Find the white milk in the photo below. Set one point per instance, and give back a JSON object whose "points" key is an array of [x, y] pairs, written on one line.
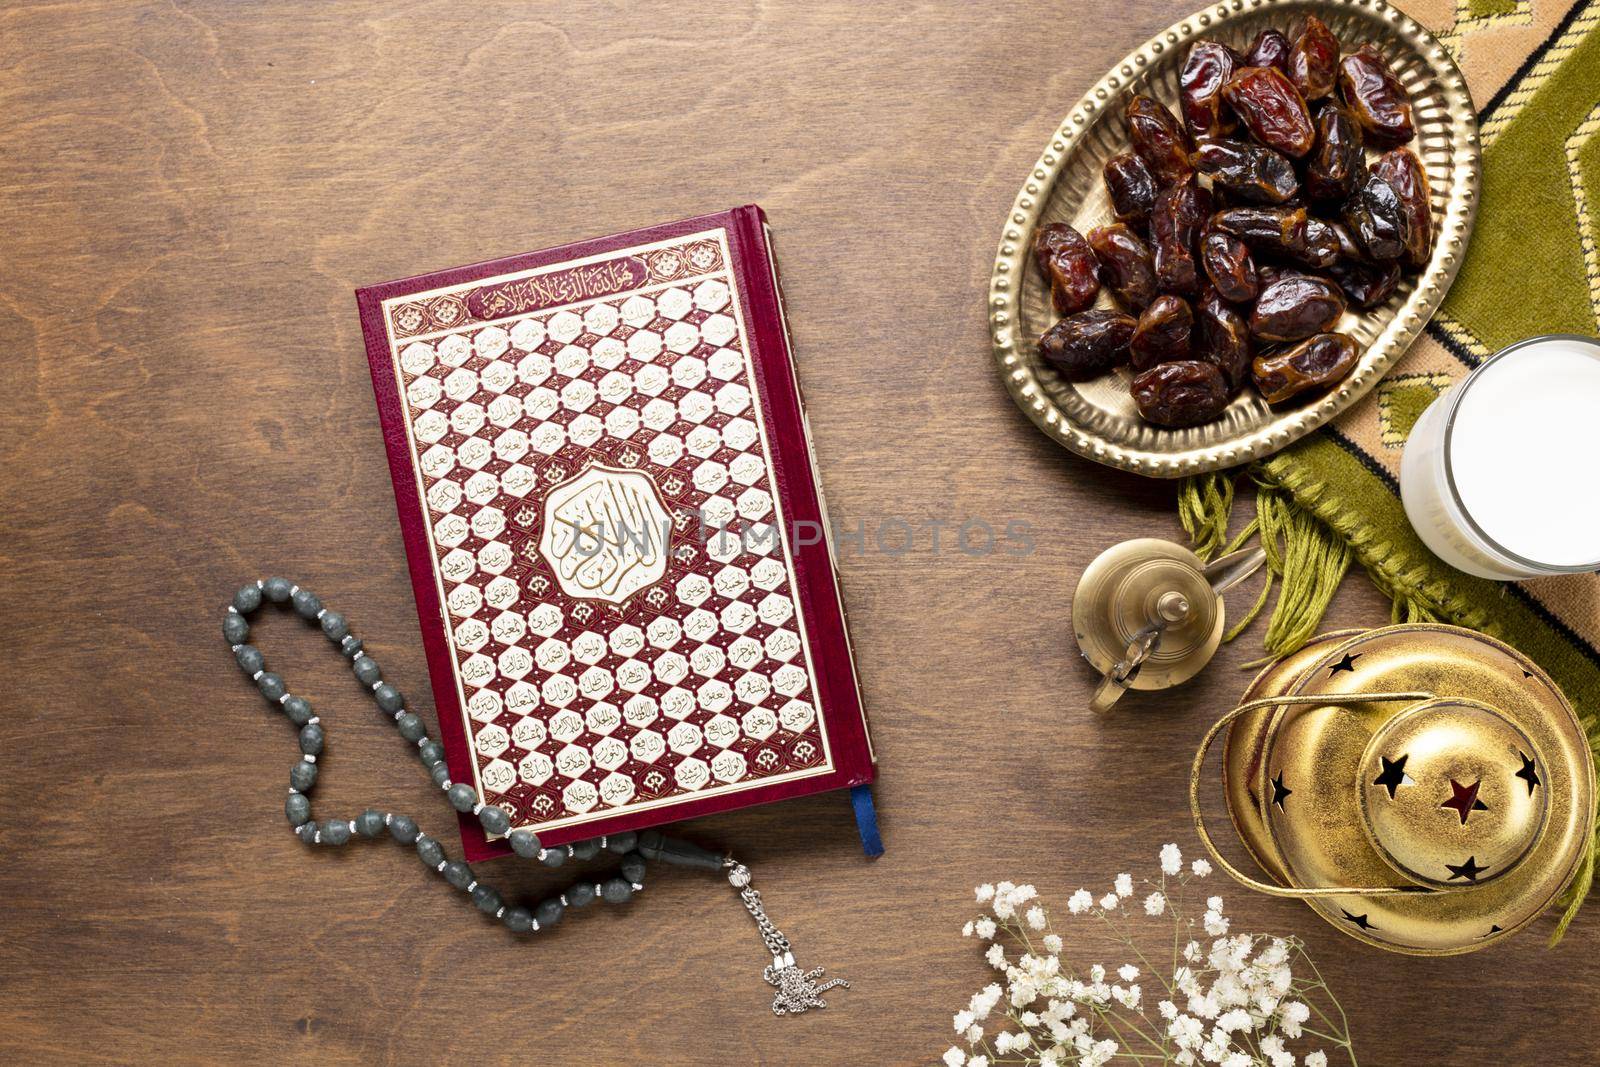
{"points": [[1498, 476]]}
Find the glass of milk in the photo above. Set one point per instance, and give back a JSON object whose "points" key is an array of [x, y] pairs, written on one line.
{"points": [[1499, 475]]}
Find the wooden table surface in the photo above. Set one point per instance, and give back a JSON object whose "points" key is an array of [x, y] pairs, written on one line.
{"points": [[190, 193]]}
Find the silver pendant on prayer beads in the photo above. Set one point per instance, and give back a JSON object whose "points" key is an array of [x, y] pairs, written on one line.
{"points": [[797, 990]]}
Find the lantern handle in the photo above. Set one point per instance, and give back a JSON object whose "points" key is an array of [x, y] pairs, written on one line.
{"points": [[1267, 887]]}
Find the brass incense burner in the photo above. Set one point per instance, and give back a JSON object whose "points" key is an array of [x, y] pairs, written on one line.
{"points": [[1425, 788], [1148, 613]]}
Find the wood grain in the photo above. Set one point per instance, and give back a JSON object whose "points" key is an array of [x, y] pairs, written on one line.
{"points": [[190, 193]]}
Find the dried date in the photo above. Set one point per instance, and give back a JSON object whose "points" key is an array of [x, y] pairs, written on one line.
{"points": [[1175, 225], [1378, 219], [1293, 308], [1314, 59], [1320, 248], [1227, 263], [1334, 168], [1247, 172], [1088, 344], [1269, 49], [1126, 267], [1207, 69], [1132, 187], [1159, 140], [1069, 265], [1366, 284], [1269, 105], [1269, 273], [1403, 171], [1186, 393], [1221, 336], [1315, 363], [1276, 230], [1347, 241], [1162, 335], [1376, 98]]}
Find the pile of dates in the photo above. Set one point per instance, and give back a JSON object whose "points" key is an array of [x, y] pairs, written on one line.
{"points": [[1244, 231]]}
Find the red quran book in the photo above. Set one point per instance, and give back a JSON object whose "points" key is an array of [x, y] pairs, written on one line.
{"points": [[615, 531]]}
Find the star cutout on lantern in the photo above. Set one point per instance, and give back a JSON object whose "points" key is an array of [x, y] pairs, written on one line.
{"points": [[1346, 664], [1358, 920], [1394, 774], [1468, 870], [1464, 800], [1280, 792], [1529, 773]]}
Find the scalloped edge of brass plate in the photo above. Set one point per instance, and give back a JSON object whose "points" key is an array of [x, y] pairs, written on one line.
{"points": [[1005, 285]]}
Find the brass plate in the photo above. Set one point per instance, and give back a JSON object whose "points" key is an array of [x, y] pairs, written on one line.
{"points": [[1097, 419]]}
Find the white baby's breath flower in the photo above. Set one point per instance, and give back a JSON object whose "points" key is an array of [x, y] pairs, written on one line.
{"points": [[1186, 1031], [1293, 1016], [1100, 1053], [984, 1000], [1273, 1049], [1230, 997], [1237, 1020]]}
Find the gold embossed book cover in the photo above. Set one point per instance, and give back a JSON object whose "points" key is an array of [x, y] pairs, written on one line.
{"points": [[615, 530]]}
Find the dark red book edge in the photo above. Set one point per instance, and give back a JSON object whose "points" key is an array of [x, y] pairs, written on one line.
{"points": [[788, 445]]}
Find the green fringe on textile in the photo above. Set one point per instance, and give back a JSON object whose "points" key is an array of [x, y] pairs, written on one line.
{"points": [[1307, 560]]}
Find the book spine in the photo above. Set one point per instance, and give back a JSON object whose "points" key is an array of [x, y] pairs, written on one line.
{"points": [[754, 221]]}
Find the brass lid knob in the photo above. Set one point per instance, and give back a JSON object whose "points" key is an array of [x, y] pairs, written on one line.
{"points": [[1450, 793]]}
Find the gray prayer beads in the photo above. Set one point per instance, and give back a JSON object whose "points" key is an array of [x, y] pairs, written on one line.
{"points": [[371, 823]]}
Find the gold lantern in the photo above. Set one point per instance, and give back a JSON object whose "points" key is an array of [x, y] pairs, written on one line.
{"points": [[1425, 788]]}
